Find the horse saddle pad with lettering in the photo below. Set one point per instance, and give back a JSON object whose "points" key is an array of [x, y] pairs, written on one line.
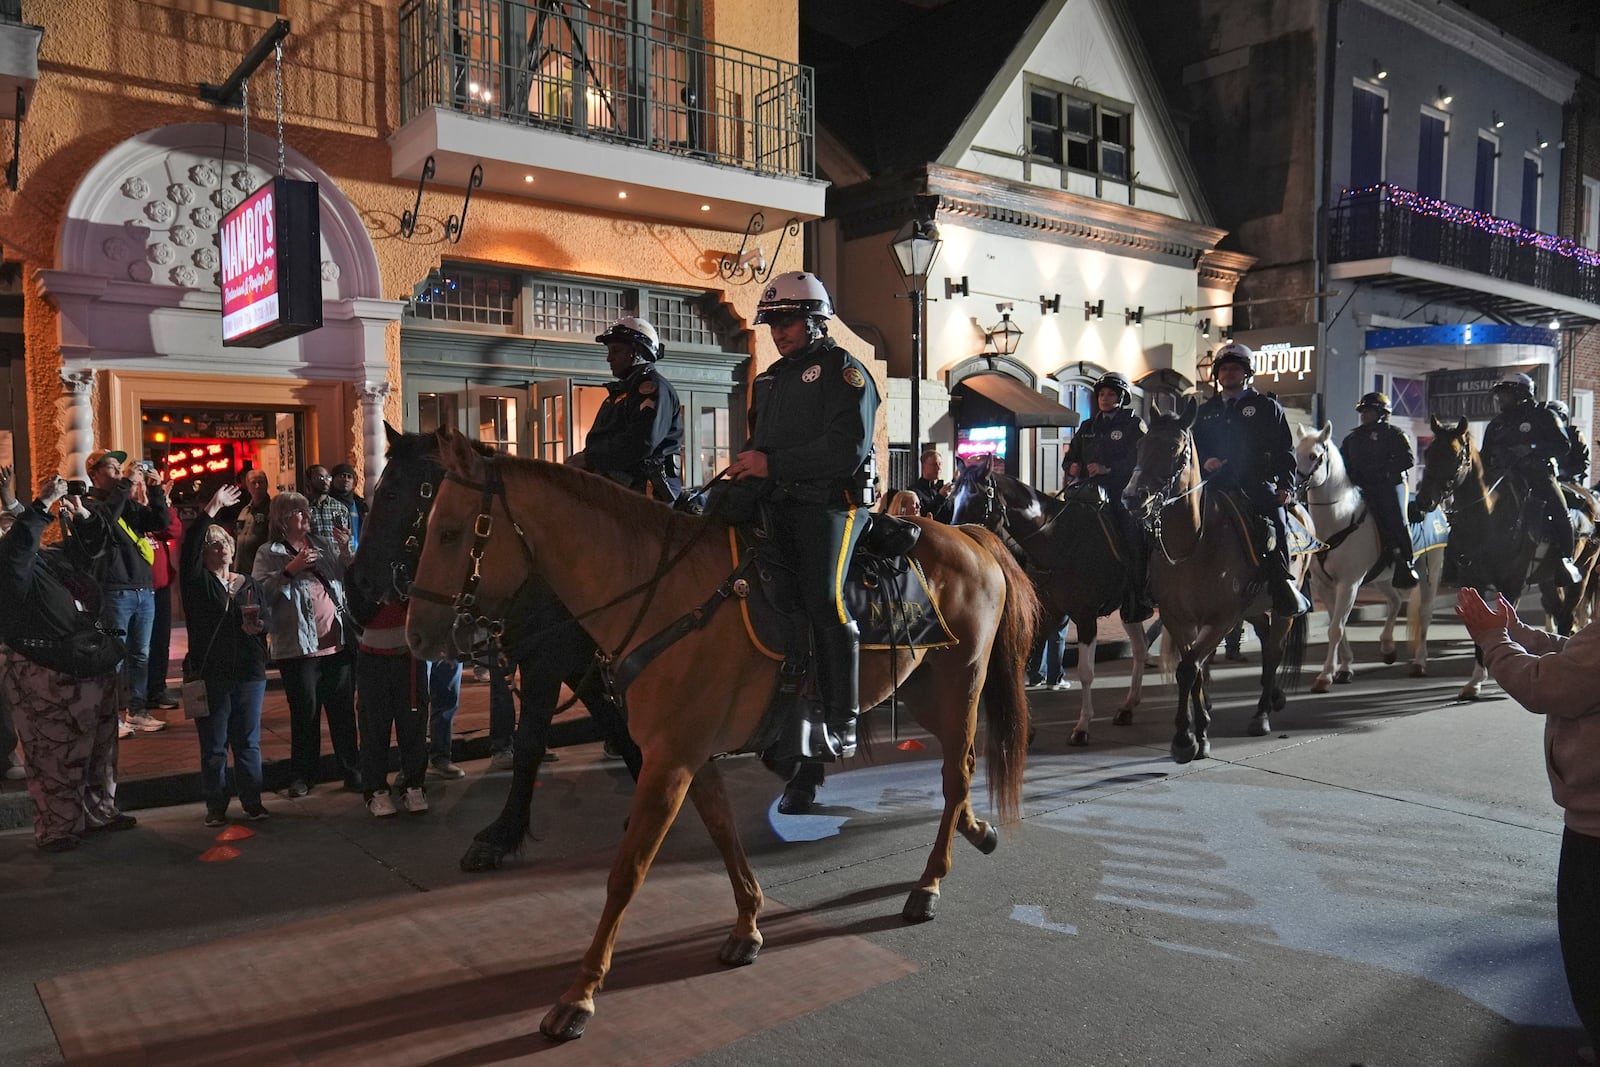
{"points": [[1258, 531], [1432, 532], [888, 597]]}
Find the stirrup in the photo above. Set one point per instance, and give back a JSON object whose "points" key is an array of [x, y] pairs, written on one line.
{"points": [[1287, 600], [1405, 576], [1566, 572], [820, 743]]}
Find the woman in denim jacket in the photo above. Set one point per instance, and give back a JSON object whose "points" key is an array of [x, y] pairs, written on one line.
{"points": [[302, 576]]}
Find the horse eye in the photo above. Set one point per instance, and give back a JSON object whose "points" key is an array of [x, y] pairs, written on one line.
{"points": [[450, 537]]}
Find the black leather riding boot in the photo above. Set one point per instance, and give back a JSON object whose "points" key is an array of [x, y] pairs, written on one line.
{"points": [[1287, 600], [839, 684], [1137, 603]]}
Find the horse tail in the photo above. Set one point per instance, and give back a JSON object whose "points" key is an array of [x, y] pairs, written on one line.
{"points": [[1004, 687], [1293, 657]]}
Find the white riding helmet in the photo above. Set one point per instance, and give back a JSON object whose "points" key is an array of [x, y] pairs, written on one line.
{"points": [[638, 332], [794, 293], [1234, 352]]}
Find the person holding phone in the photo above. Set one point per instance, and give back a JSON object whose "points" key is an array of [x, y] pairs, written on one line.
{"points": [[330, 519], [228, 652]]}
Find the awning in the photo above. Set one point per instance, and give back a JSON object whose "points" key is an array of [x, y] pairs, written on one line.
{"points": [[1021, 406]]}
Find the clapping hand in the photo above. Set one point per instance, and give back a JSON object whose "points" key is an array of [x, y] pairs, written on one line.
{"points": [[226, 496], [1479, 618], [304, 559]]}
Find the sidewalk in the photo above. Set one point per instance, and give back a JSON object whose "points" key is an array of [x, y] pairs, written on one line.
{"points": [[155, 770]]}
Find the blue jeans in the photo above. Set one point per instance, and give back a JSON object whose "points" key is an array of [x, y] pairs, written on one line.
{"points": [[133, 611], [1052, 648], [234, 722], [444, 696]]}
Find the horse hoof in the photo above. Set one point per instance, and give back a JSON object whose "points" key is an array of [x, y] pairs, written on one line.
{"points": [[920, 906], [1321, 685], [1278, 700], [797, 800], [739, 951], [1124, 717], [1388, 658], [565, 1022], [1204, 751], [1418, 671], [1346, 677], [1469, 692], [1079, 738], [1260, 725], [989, 841], [1184, 748], [481, 856]]}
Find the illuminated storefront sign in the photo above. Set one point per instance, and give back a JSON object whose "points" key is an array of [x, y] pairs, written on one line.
{"points": [[983, 441], [1284, 361], [271, 265]]}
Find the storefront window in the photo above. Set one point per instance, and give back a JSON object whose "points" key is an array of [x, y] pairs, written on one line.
{"points": [[497, 422], [436, 411]]}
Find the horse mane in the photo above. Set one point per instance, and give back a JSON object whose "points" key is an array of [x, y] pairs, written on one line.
{"points": [[647, 518]]}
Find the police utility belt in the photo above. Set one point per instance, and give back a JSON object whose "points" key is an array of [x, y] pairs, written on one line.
{"points": [[832, 494]]}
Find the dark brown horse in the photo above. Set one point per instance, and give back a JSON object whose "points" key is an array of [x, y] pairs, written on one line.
{"points": [[1491, 545], [1204, 576], [629, 569]]}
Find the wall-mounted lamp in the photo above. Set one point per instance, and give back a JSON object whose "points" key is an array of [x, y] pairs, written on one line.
{"points": [[1133, 316], [1379, 71], [955, 288], [1499, 123], [1005, 334], [755, 259], [1096, 310], [1050, 304], [750, 262], [1541, 139], [1204, 326], [1555, 324], [1227, 333], [1445, 98]]}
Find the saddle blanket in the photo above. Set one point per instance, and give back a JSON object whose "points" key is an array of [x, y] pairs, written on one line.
{"points": [[1432, 532], [888, 598]]}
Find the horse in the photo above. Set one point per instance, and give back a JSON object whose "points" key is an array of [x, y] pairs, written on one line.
{"points": [[1203, 574], [1076, 568], [639, 575], [543, 641], [1490, 544], [1354, 547]]}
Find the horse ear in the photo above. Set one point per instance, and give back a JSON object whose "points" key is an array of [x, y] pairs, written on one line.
{"points": [[393, 435], [1186, 416], [1326, 433], [455, 450], [1461, 427], [1435, 424]]}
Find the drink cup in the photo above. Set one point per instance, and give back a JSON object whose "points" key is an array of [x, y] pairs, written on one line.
{"points": [[252, 618]]}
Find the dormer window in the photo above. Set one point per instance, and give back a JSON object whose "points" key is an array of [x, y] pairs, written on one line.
{"points": [[1080, 130]]}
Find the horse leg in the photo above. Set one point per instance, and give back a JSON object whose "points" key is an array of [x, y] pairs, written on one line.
{"points": [[1419, 612], [960, 761], [1391, 597], [1088, 634], [710, 800], [1139, 649], [1474, 685], [1185, 746], [540, 688], [1271, 698], [655, 805], [1346, 659]]}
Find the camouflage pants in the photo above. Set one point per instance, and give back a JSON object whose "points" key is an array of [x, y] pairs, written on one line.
{"points": [[68, 728]]}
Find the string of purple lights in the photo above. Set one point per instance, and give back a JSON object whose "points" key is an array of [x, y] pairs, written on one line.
{"points": [[1481, 220]]}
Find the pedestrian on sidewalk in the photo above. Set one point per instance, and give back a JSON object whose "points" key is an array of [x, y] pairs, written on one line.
{"points": [[228, 652], [163, 575], [391, 696], [60, 677], [311, 639], [1555, 676], [444, 697]]}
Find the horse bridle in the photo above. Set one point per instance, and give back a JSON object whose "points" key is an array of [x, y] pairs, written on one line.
{"points": [[1165, 497]]}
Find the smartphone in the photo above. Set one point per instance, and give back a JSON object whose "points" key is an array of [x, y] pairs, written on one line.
{"points": [[77, 487]]}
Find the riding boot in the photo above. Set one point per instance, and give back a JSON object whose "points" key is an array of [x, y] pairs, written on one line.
{"points": [[1405, 575], [1137, 603], [839, 684], [1287, 600]]}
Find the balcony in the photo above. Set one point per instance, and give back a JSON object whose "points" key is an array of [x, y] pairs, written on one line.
{"points": [[1427, 249], [19, 59], [566, 102]]}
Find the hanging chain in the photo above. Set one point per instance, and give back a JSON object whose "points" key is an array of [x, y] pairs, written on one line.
{"points": [[278, 51], [245, 97]]}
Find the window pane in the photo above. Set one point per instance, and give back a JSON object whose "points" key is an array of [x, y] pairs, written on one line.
{"points": [[1530, 194], [1080, 118], [435, 410], [1114, 161], [1044, 143], [497, 422], [1483, 181], [1430, 157], [1044, 107], [1114, 127], [1078, 155], [1366, 139]]}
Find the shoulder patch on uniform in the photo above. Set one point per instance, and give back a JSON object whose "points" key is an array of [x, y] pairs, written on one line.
{"points": [[647, 387], [646, 405], [854, 378], [811, 373], [1248, 410]]}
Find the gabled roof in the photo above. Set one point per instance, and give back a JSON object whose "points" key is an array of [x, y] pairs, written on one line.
{"points": [[897, 100]]}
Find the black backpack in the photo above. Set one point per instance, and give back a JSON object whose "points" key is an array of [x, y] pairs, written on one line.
{"points": [[59, 627]]}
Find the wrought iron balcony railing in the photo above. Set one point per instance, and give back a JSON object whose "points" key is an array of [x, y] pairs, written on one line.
{"points": [[11, 11], [591, 74], [1386, 221]]}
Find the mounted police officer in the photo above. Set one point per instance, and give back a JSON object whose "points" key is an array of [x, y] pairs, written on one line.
{"points": [[1104, 450], [638, 432], [1527, 439], [1243, 442], [1574, 466], [811, 420], [1377, 455]]}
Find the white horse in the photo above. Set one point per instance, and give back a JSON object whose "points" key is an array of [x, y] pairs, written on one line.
{"points": [[1337, 505]]}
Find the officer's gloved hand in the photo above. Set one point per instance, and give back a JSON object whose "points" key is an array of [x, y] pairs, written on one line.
{"points": [[1414, 513]]}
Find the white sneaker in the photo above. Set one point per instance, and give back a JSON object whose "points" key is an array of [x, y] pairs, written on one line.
{"points": [[124, 730], [501, 761], [146, 723], [382, 805], [15, 772], [1063, 684], [413, 800]]}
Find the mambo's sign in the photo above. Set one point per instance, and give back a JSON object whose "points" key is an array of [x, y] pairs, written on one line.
{"points": [[271, 269]]}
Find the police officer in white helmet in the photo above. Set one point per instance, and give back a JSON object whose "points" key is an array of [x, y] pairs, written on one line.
{"points": [[638, 431]]}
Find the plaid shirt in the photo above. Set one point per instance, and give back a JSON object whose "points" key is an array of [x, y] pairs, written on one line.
{"points": [[328, 515]]}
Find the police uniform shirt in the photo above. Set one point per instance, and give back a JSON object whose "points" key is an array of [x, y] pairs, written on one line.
{"points": [[812, 413], [1251, 435], [640, 420], [1377, 454], [1528, 428], [1111, 439]]}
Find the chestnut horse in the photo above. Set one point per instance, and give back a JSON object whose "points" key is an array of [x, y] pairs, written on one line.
{"points": [[631, 569], [1489, 543], [1203, 574]]}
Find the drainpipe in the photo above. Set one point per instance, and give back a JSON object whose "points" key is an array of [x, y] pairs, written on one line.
{"points": [[1324, 187]]}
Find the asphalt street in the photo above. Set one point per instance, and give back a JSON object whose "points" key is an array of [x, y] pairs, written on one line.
{"points": [[1373, 883]]}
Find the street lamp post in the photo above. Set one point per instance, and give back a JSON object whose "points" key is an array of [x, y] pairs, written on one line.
{"points": [[915, 248]]}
